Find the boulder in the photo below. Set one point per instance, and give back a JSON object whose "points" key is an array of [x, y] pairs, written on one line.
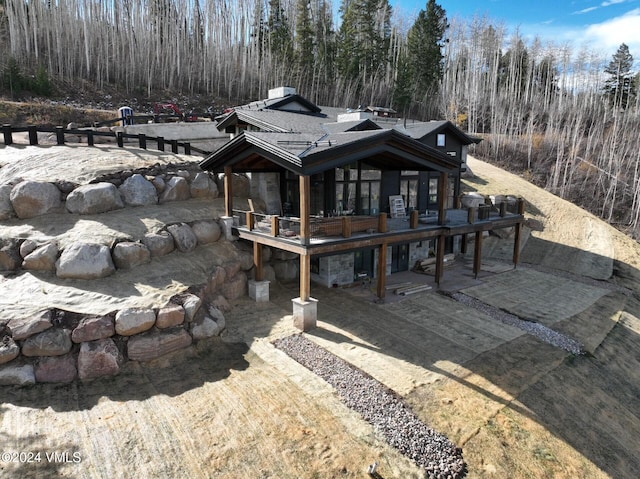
{"points": [[25, 327], [286, 270], [42, 258], [183, 236], [91, 329], [93, 199], [203, 186], [138, 191], [56, 369], [212, 324], [176, 189], [6, 209], [221, 303], [27, 247], [98, 358], [159, 184], [8, 349], [152, 345], [172, 315], [191, 305], [17, 375], [159, 244], [282, 255], [33, 198], [52, 342], [231, 269], [127, 255], [85, 261], [240, 186], [269, 274], [184, 174], [206, 231], [132, 321], [245, 259], [10, 259], [235, 287]]}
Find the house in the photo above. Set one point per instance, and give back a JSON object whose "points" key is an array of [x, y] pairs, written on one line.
{"points": [[353, 197]]}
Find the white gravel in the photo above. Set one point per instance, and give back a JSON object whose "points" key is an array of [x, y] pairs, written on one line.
{"points": [[382, 408], [538, 330]]}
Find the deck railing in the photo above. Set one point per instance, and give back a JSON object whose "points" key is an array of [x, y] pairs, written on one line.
{"points": [[346, 226], [91, 135]]}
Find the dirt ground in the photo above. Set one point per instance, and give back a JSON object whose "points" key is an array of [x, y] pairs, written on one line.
{"points": [[518, 407]]}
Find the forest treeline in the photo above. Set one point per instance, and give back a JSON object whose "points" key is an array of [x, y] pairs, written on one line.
{"points": [[566, 118]]}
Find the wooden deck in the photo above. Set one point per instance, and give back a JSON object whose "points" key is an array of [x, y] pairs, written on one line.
{"points": [[328, 233]]}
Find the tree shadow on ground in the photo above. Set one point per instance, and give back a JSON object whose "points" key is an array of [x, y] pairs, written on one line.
{"points": [[208, 361], [588, 402]]}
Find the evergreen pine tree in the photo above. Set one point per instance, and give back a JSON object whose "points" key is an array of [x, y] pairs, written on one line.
{"points": [[425, 40], [620, 87]]}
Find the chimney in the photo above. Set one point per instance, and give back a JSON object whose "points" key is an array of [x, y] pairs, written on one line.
{"points": [[281, 91]]}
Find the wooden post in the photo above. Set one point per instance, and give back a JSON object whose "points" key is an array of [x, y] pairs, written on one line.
{"points": [[382, 223], [8, 137], [471, 214], [90, 139], [33, 135], [228, 191], [187, 148], [142, 141], [413, 219], [477, 254], [257, 260], [440, 258], [458, 204], [174, 146], [120, 139], [250, 220], [442, 198], [516, 245], [160, 140], [305, 202], [275, 226], [60, 135], [305, 277], [463, 244], [346, 226], [382, 271], [503, 208]]}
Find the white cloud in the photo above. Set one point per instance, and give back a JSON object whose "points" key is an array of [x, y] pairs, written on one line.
{"points": [[586, 10], [608, 35]]}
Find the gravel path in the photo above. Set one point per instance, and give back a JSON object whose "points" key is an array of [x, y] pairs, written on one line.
{"points": [[538, 330], [381, 407]]}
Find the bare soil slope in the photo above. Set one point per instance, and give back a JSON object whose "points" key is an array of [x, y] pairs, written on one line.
{"points": [[518, 407]]}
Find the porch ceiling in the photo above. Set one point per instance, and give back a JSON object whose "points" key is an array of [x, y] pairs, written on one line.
{"points": [[308, 154]]}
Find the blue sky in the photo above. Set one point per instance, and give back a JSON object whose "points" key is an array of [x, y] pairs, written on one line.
{"points": [[600, 24]]}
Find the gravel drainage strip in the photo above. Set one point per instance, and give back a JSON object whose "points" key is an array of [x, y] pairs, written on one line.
{"points": [[381, 407], [538, 330]]}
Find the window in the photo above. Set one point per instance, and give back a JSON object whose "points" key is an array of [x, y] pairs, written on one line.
{"points": [[409, 189], [441, 139]]}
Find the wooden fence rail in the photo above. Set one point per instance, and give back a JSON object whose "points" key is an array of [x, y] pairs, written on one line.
{"points": [[119, 137]]}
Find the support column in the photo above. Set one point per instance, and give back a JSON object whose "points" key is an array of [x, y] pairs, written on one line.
{"points": [[477, 254], [440, 258], [305, 308], [442, 198], [228, 191], [518, 235], [257, 261], [305, 202], [381, 287]]}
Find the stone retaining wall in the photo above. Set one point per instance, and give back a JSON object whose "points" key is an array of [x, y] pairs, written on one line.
{"points": [[57, 346]]}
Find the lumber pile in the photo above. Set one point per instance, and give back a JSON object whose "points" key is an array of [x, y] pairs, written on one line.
{"points": [[428, 265]]}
